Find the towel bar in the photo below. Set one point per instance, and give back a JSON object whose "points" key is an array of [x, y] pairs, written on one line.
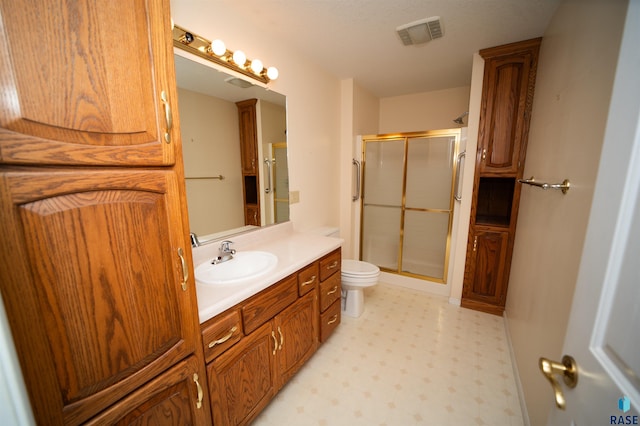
{"points": [[564, 186]]}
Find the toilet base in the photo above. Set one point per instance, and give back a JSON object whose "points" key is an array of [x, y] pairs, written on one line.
{"points": [[353, 302]]}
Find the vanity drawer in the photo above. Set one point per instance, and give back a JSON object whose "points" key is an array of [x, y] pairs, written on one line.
{"points": [[268, 303], [329, 320], [221, 333], [329, 265], [308, 278], [330, 291]]}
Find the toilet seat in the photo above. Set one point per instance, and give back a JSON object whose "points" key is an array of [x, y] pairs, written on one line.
{"points": [[358, 268]]}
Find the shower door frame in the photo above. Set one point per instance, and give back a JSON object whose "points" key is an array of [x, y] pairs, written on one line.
{"points": [[390, 137]]}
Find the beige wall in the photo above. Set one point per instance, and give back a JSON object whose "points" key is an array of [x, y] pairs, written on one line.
{"points": [[423, 111], [313, 107], [360, 111], [573, 88], [211, 147]]}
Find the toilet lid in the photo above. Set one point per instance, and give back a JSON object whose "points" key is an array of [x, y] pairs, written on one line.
{"points": [[358, 268]]}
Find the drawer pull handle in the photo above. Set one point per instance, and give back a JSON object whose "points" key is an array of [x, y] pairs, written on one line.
{"points": [[281, 338], [275, 342], [224, 338], [333, 290], [200, 393], [309, 281], [185, 270], [333, 265], [332, 320]]}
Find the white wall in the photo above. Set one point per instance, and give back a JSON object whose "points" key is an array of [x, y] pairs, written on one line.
{"points": [[313, 107], [573, 88]]}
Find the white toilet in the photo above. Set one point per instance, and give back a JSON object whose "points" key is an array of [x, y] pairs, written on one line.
{"points": [[356, 275]]}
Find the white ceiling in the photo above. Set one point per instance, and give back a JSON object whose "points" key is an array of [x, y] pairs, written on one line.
{"points": [[357, 38]]}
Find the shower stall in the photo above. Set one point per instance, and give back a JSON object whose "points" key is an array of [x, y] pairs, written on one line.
{"points": [[408, 192]]}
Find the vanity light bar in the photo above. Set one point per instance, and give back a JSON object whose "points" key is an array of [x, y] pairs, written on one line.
{"points": [[200, 46]]}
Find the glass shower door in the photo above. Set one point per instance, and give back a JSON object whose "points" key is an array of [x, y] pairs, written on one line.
{"points": [[407, 202], [382, 201], [428, 205]]}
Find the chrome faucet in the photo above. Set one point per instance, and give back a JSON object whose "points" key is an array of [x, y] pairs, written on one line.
{"points": [[225, 252]]}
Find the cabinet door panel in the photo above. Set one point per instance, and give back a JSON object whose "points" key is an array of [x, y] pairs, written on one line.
{"points": [[486, 280], [173, 398], [95, 253], [242, 380], [507, 98], [297, 332], [91, 92]]}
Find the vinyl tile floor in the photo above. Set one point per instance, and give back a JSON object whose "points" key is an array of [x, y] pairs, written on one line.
{"points": [[410, 359]]}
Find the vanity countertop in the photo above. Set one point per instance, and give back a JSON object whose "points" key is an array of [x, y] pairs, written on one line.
{"points": [[293, 249]]}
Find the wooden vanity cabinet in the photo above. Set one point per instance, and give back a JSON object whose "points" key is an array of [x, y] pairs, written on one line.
{"points": [[507, 98], [281, 332], [330, 294], [95, 254]]}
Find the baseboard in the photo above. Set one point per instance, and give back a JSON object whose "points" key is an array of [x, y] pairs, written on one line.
{"points": [[424, 286], [454, 301], [516, 374]]}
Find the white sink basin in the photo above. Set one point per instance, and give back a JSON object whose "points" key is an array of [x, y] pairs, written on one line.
{"points": [[244, 266]]}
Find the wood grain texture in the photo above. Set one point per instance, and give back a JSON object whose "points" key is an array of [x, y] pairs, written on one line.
{"points": [[73, 94], [268, 303], [505, 112]]}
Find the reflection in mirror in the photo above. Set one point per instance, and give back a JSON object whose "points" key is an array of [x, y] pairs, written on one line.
{"points": [[223, 197]]}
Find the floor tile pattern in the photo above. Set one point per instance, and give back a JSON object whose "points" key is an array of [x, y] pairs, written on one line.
{"points": [[410, 359]]}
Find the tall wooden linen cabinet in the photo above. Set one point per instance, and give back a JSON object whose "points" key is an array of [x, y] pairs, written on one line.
{"points": [[507, 97], [95, 256], [248, 123]]}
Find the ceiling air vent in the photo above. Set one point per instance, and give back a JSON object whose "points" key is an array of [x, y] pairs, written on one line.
{"points": [[420, 31]]}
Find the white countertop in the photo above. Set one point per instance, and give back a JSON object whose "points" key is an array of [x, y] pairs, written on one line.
{"points": [[293, 249]]}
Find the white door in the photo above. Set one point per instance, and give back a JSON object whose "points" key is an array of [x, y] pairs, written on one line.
{"points": [[604, 328]]}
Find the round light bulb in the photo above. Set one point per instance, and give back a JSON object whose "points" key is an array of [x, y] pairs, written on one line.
{"points": [[272, 73], [218, 48], [239, 58], [256, 66]]}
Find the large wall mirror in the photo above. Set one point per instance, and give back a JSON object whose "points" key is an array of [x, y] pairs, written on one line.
{"points": [[209, 125]]}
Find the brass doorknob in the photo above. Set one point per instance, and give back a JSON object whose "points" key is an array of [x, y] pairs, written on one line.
{"points": [[569, 371]]}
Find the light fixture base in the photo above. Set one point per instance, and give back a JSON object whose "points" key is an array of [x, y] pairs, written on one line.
{"points": [[200, 46]]}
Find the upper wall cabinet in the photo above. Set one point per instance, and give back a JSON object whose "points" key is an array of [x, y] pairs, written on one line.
{"points": [[507, 96], [98, 91]]}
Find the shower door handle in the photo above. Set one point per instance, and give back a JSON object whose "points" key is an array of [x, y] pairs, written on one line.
{"points": [[268, 164], [356, 197], [457, 194]]}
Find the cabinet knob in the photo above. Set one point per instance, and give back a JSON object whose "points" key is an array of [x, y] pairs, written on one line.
{"points": [[475, 243], [484, 154]]}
